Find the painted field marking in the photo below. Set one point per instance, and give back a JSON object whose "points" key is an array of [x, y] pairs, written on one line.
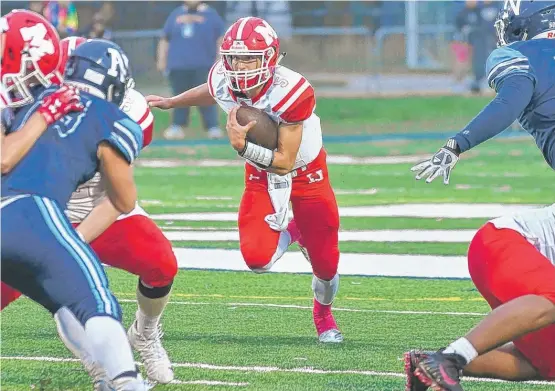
{"points": [[310, 298], [399, 235], [425, 266], [331, 159], [309, 308], [211, 383], [458, 210], [268, 369]]}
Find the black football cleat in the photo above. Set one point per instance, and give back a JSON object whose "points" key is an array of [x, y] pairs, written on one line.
{"points": [[412, 359], [440, 371]]}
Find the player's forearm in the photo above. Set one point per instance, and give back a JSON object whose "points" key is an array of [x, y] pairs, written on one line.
{"points": [[16, 145], [511, 100], [117, 174], [101, 217], [123, 196], [289, 142], [282, 163], [197, 96]]}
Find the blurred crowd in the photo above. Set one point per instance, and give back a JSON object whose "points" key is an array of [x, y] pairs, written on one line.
{"points": [[197, 27], [64, 16], [472, 43]]}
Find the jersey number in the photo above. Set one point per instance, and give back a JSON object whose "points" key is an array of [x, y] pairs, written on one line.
{"points": [[70, 123], [119, 66], [318, 178], [38, 44]]}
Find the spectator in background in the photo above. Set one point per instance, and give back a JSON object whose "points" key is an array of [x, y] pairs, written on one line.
{"points": [[63, 16], [470, 24], [192, 36], [107, 11], [98, 28], [489, 11], [461, 53], [36, 6], [220, 7]]}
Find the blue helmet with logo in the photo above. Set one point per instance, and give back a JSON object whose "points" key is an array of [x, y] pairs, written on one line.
{"points": [[101, 68], [522, 20]]}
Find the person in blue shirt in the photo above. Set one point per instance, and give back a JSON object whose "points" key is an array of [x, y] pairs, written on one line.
{"points": [[189, 47], [515, 341], [42, 255]]}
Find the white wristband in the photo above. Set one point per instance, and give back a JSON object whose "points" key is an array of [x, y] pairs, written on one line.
{"points": [[257, 154]]}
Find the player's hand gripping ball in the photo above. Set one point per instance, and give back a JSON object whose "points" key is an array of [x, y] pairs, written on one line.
{"points": [[265, 130]]}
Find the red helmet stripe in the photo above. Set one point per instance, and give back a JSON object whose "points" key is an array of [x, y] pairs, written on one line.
{"points": [[241, 27]]}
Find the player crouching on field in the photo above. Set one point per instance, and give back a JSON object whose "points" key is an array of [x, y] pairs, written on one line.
{"points": [[131, 242], [512, 263], [249, 74]]}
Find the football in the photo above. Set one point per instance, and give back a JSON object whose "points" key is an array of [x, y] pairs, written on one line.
{"points": [[265, 132]]}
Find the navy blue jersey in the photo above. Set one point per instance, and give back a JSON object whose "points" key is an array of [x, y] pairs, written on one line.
{"points": [[534, 59], [66, 154]]}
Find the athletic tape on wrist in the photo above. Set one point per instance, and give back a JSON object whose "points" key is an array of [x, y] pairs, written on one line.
{"points": [[257, 154]]}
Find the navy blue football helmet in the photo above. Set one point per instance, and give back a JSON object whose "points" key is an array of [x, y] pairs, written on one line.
{"points": [[521, 20], [100, 67]]}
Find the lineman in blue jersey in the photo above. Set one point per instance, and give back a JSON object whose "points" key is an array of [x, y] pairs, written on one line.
{"points": [[42, 255], [520, 70]]}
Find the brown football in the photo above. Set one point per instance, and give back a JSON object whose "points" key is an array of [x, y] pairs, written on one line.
{"points": [[265, 132]]}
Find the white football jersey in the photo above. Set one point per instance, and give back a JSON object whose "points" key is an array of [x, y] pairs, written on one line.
{"points": [[288, 98], [91, 193], [536, 225]]}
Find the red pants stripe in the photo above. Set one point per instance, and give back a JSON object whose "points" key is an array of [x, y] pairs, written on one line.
{"points": [[315, 211], [134, 244], [504, 266]]}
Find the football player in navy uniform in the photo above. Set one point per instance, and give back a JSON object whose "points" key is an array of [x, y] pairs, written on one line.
{"points": [[515, 341], [42, 255], [520, 70]]}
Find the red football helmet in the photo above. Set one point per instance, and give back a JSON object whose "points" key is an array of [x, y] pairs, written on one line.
{"points": [[67, 46], [30, 53], [252, 37]]}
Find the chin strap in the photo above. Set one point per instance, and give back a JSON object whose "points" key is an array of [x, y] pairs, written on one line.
{"points": [[280, 57]]}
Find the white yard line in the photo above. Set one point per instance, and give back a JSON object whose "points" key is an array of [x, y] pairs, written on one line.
{"points": [[267, 369], [301, 307], [425, 266], [460, 211], [210, 383], [332, 159], [397, 236]]}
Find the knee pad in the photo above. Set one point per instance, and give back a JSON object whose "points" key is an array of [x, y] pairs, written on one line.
{"points": [[325, 291]]}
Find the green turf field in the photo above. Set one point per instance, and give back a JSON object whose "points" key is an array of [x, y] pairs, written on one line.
{"points": [[229, 330], [360, 116]]}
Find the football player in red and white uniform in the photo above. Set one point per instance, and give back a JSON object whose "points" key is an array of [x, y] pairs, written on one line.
{"points": [[21, 70], [511, 260], [249, 74], [131, 242]]}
